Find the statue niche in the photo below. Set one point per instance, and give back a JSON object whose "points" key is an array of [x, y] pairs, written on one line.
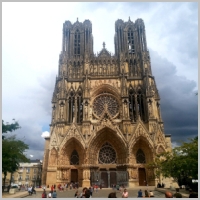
{"points": [[53, 157]]}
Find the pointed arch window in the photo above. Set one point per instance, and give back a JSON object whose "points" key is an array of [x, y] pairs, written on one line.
{"points": [[77, 43], [133, 105], [74, 160], [79, 107], [141, 105], [131, 45], [140, 156], [107, 154], [71, 107]]}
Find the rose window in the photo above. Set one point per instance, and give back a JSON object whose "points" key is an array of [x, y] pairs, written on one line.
{"points": [[105, 102], [107, 154]]}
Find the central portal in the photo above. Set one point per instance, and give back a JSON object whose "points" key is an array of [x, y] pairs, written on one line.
{"points": [[107, 178]]}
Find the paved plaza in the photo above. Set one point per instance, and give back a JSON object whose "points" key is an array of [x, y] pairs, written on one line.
{"points": [[103, 193]]}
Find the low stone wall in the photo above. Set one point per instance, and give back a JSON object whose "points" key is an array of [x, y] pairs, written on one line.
{"points": [[13, 190]]}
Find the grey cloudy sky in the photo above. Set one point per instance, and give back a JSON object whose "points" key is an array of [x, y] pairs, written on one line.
{"points": [[31, 44]]}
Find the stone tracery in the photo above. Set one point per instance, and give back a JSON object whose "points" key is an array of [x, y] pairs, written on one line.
{"points": [[107, 154], [105, 102]]}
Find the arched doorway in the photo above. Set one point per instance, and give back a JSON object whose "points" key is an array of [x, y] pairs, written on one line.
{"points": [[143, 155], [74, 175], [106, 151], [142, 177], [72, 155]]}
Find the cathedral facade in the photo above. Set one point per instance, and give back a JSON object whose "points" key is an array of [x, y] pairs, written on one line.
{"points": [[106, 121]]}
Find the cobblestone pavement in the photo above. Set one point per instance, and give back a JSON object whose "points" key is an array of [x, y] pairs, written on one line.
{"points": [[100, 194]]}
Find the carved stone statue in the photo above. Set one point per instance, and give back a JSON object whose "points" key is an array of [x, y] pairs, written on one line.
{"points": [[61, 112], [86, 111], [150, 109], [125, 110]]}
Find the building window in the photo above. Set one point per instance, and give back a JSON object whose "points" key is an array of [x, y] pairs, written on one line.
{"points": [[107, 154], [20, 177], [79, 107], [71, 107], [74, 158], [27, 170], [140, 157], [131, 45], [105, 102], [21, 169], [77, 43], [34, 171], [27, 177]]}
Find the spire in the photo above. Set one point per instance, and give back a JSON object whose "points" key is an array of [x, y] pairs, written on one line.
{"points": [[104, 45], [129, 19]]}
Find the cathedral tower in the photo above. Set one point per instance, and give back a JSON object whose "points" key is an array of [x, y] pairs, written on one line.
{"points": [[106, 120]]}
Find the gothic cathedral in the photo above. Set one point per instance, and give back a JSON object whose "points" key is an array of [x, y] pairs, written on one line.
{"points": [[106, 119]]}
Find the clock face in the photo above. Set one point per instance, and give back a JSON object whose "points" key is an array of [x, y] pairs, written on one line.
{"points": [[105, 103]]}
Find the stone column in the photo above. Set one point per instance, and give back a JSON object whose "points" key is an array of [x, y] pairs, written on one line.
{"points": [[75, 110], [136, 106], [108, 172], [133, 177], [67, 109], [86, 177]]}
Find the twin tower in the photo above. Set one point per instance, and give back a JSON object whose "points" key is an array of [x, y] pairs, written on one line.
{"points": [[106, 121]]}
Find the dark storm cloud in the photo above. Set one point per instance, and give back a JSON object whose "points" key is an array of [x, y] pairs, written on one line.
{"points": [[30, 134], [47, 84], [179, 105], [36, 115]]}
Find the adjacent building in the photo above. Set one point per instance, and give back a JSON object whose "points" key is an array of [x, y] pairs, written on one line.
{"points": [[27, 174]]}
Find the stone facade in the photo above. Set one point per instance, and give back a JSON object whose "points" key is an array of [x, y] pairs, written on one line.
{"points": [[106, 119], [27, 174]]}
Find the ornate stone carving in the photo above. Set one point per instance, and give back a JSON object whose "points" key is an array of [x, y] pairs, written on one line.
{"points": [[107, 103]]}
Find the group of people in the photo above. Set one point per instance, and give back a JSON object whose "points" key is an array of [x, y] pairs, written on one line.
{"points": [[65, 186], [118, 187], [146, 193], [31, 190], [192, 194], [160, 185], [86, 193], [124, 194], [51, 194]]}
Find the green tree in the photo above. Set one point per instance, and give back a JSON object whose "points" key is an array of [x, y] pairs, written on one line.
{"points": [[9, 127], [12, 150], [182, 162]]}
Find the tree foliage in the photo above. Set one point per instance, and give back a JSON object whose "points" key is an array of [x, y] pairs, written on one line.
{"points": [[13, 153], [9, 127], [182, 162], [12, 150]]}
